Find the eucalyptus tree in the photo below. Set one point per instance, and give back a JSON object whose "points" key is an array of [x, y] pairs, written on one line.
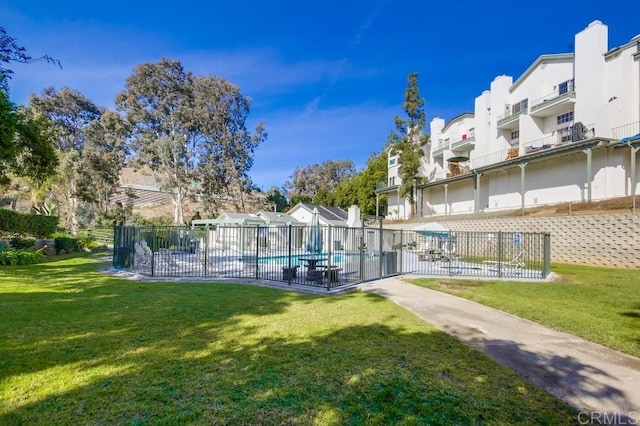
{"points": [[408, 142], [158, 103], [103, 157], [318, 180], [191, 130], [225, 147], [70, 114]]}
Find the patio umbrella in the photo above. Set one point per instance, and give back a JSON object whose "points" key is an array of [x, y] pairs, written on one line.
{"points": [[314, 237], [431, 229]]}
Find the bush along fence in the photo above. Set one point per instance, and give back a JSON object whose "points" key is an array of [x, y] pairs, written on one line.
{"points": [[327, 257], [13, 222]]}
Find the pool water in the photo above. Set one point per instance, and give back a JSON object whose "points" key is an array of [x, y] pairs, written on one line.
{"points": [[295, 259]]}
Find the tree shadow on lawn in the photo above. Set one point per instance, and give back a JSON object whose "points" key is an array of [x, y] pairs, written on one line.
{"points": [[634, 313], [359, 374], [566, 377]]}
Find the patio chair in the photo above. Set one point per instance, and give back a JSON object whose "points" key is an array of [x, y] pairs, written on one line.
{"points": [[517, 262], [165, 254]]}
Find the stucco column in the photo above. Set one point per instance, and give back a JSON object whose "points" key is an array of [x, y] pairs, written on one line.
{"points": [[589, 153], [446, 199], [476, 192], [634, 181], [522, 185]]}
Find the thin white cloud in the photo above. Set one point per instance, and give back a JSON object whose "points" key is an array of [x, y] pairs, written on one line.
{"points": [[364, 27]]}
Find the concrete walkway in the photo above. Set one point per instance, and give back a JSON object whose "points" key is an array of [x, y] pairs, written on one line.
{"points": [[585, 375]]}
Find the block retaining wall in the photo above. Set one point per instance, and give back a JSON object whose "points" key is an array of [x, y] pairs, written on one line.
{"points": [[601, 240]]}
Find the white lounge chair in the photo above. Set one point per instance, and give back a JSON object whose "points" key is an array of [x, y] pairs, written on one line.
{"points": [[517, 262], [165, 254]]}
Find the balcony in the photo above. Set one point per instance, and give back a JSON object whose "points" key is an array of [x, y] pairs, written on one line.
{"points": [[556, 102], [466, 143], [629, 131], [510, 120], [438, 149], [576, 133]]}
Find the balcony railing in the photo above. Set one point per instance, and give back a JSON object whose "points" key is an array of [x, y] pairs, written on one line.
{"points": [[576, 133], [553, 98], [628, 130], [439, 148], [510, 116], [463, 142]]}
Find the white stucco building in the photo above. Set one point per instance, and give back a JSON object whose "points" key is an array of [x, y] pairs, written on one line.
{"points": [[567, 129]]}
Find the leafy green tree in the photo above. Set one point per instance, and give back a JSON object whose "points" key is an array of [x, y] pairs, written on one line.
{"points": [[25, 146], [318, 180], [158, 101], [224, 147], [408, 141], [191, 131], [276, 198], [361, 189], [71, 115], [103, 157]]}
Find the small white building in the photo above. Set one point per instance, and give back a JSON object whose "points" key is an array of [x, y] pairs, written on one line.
{"points": [[553, 135]]}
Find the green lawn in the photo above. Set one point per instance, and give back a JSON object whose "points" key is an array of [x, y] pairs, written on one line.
{"points": [[80, 347], [598, 304]]}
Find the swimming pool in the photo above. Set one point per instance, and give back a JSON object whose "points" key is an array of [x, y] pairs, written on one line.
{"points": [[295, 258]]}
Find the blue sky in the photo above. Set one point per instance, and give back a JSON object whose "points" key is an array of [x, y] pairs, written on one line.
{"points": [[327, 78]]}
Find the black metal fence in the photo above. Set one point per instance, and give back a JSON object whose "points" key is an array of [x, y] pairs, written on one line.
{"points": [[344, 256]]}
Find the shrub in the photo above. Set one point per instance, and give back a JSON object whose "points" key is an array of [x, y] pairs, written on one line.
{"points": [[86, 241], [18, 242], [41, 226], [65, 242], [19, 257], [27, 224]]}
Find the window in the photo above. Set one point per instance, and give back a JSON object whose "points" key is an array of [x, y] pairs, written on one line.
{"points": [[392, 181], [565, 87], [521, 106], [515, 135], [565, 118], [392, 161]]}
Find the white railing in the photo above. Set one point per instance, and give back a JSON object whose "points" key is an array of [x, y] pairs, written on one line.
{"points": [[510, 115], [553, 96], [492, 158], [626, 130]]}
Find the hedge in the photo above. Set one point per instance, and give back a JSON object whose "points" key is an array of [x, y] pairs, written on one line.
{"points": [[39, 226], [19, 257]]}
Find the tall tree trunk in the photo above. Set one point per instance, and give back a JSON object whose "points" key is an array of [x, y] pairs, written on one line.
{"points": [[178, 203]]}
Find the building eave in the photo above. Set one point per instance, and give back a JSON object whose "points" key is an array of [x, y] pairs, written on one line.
{"points": [[458, 118], [555, 57], [388, 189]]}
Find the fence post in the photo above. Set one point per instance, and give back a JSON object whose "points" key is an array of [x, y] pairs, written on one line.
{"points": [[547, 256], [154, 243], [289, 274], [257, 249], [362, 252], [401, 257], [500, 254], [380, 243], [330, 251]]}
